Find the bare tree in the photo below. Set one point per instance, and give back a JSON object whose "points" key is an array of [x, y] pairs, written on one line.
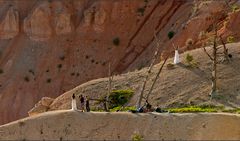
{"points": [[225, 50], [213, 58], [156, 77], [156, 54], [110, 78]]}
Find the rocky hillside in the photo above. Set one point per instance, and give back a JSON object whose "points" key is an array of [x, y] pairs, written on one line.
{"points": [[178, 85], [74, 125], [48, 47]]}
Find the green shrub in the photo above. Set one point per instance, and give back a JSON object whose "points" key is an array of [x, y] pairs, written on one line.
{"points": [[141, 10], [230, 39], [119, 98], [191, 109], [116, 41], [195, 109], [171, 34], [235, 110], [137, 137], [189, 58], [190, 61]]}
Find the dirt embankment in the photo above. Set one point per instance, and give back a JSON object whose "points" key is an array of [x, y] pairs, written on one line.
{"points": [[74, 125], [178, 86]]}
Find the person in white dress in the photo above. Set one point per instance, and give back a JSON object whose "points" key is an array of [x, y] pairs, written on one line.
{"points": [[176, 57], [74, 103]]}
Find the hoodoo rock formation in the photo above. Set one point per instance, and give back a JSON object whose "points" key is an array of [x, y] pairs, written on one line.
{"points": [[9, 27], [48, 47]]}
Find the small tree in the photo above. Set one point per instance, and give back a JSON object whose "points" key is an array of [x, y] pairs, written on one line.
{"points": [[213, 58], [116, 41]]}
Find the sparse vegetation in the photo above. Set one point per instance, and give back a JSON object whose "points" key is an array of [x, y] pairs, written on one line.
{"points": [[49, 80], [189, 42], [59, 66], [190, 61], [1, 71], [235, 110], [137, 137], [235, 8], [189, 58], [230, 39], [116, 41], [140, 66], [171, 34], [119, 97], [120, 108], [31, 71], [170, 66], [26, 78], [21, 123], [103, 63], [141, 10], [62, 58], [195, 109]]}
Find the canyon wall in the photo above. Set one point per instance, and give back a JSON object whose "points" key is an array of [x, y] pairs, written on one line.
{"points": [[48, 47]]}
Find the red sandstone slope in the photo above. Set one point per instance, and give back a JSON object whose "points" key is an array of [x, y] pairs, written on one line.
{"points": [[50, 46]]}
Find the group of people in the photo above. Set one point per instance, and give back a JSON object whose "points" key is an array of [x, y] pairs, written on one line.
{"points": [[84, 103]]}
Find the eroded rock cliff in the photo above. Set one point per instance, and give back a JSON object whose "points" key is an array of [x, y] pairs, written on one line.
{"points": [[50, 46]]}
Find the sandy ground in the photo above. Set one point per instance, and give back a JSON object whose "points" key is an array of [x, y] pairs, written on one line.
{"points": [[75, 125]]}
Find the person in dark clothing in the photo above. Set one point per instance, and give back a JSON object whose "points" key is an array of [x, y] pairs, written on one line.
{"points": [[73, 96], [87, 104], [81, 102]]}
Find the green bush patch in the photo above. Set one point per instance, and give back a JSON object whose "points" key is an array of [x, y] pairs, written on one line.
{"points": [[116, 41], [196, 109], [119, 98]]}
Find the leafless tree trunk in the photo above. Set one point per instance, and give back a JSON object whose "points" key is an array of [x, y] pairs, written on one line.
{"points": [[110, 78], [214, 66], [155, 80], [225, 50], [156, 54], [213, 58]]}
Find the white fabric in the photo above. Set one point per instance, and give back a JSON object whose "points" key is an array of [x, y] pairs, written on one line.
{"points": [[74, 104], [176, 57]]}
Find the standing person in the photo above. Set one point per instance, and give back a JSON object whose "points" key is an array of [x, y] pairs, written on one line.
{"points": [[81, 103], [74, 104], [87, 104]]}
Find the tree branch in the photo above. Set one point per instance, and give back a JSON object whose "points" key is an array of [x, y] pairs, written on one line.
{"points": [[207, 53]]}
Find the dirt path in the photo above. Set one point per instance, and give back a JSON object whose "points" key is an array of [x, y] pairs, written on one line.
{"points": [[75, 125]]}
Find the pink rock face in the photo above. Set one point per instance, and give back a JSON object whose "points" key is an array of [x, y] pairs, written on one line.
{"points": [[58, 45], [9, 27], [37, 25]]}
